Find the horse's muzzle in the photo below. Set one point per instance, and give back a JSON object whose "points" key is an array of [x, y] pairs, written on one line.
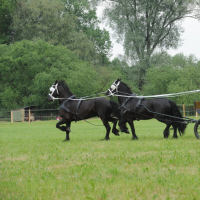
{"points": [[108, 93], [49, 98]]}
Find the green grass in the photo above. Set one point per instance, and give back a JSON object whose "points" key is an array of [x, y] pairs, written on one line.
{"points": [[36, 164]]}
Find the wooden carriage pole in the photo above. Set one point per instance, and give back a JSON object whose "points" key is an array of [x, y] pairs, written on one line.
{"points": [[183, 110], [29, 115], [11, 116]]}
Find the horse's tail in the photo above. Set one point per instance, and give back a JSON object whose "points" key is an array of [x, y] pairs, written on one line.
{"points": [[180, 123], [117, 113]]}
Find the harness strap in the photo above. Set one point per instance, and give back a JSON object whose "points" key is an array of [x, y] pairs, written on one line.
{"points": [[78, 105], [67, 110], [138, 105], [64, 103], [124, 103]]}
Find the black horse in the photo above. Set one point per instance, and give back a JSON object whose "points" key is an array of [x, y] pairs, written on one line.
{"points": [[134, 108], [73, 109]]}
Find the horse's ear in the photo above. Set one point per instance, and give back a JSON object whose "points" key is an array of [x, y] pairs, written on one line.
{"points": [[119, 79], [56, 82]]}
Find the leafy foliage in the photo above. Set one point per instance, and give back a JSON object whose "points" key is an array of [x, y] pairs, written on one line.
{"points": [[180, 75], [28, 69], [73, 24], [145, 26], [6, 9]]}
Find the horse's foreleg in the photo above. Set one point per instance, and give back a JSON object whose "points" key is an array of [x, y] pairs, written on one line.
{"points": [[175, 131], [114, 129], [107, 126], [62, 121], [67, 131], [130, 122], [166, 131]]}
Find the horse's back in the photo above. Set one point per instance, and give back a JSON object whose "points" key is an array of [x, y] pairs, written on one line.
{"points": [[103, 106], [162, 105]]}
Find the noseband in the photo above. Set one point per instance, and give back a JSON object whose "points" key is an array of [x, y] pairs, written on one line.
{"points": [[52, 90]]}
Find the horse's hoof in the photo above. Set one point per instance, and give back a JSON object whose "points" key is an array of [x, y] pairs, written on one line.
{"points": [[105, 139], [65, 140], [117, 134], [135, 138]]}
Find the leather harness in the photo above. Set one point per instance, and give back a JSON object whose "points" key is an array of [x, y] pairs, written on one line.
{"points": [[77, 107], [138, 105]]}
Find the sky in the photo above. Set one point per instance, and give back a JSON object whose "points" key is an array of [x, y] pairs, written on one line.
{"points": [[190, 38]]}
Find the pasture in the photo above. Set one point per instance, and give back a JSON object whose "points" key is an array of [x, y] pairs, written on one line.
{"points": [[36, 164]]}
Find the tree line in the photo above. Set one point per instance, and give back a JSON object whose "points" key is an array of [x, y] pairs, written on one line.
{"points": [[44, 41]]}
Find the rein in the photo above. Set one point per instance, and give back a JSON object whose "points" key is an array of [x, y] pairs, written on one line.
{"points": [[82, 98], [161, 95]]}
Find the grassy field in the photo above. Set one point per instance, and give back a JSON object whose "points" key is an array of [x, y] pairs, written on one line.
{"points": [[36, 164]]}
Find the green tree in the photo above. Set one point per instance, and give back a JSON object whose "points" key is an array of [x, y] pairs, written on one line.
{"points": [[181, 74], [45, 20], [144, 26], [28, 69], [6, 9], [87, 22], [188, 80], [158, 79], [22, 61], [73, 24]]}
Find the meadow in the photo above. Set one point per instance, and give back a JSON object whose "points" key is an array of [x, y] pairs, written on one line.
{"points": [[35, 163]]}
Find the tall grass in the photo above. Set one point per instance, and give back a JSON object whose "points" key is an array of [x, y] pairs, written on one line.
{"points": [[36, 164]]}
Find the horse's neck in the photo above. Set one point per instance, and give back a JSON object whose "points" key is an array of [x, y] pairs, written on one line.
{"points": [[123, 92], [63, 95], [121, 99]]}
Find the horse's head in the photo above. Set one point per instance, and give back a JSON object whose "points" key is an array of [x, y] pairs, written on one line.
{"points": [[53, 91], [113, 88]]}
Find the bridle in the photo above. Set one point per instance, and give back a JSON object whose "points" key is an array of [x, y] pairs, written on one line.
{"points": [[52, 89], [113, 87]]}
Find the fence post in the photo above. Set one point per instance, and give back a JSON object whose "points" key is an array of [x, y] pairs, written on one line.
{"points": [[22, 115], [183, 110], [196, 114], [29, 115], [11, 116]]}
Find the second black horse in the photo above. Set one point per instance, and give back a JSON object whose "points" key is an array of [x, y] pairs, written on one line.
{"points": [[73, 109], [134, 108]]}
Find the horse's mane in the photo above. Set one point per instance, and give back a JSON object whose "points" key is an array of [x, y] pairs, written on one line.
{"points": [[64, 85], [128, 89]]}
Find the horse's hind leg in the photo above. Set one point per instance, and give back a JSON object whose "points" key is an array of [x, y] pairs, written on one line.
{"points": [[130, 122], [166, 131]]}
